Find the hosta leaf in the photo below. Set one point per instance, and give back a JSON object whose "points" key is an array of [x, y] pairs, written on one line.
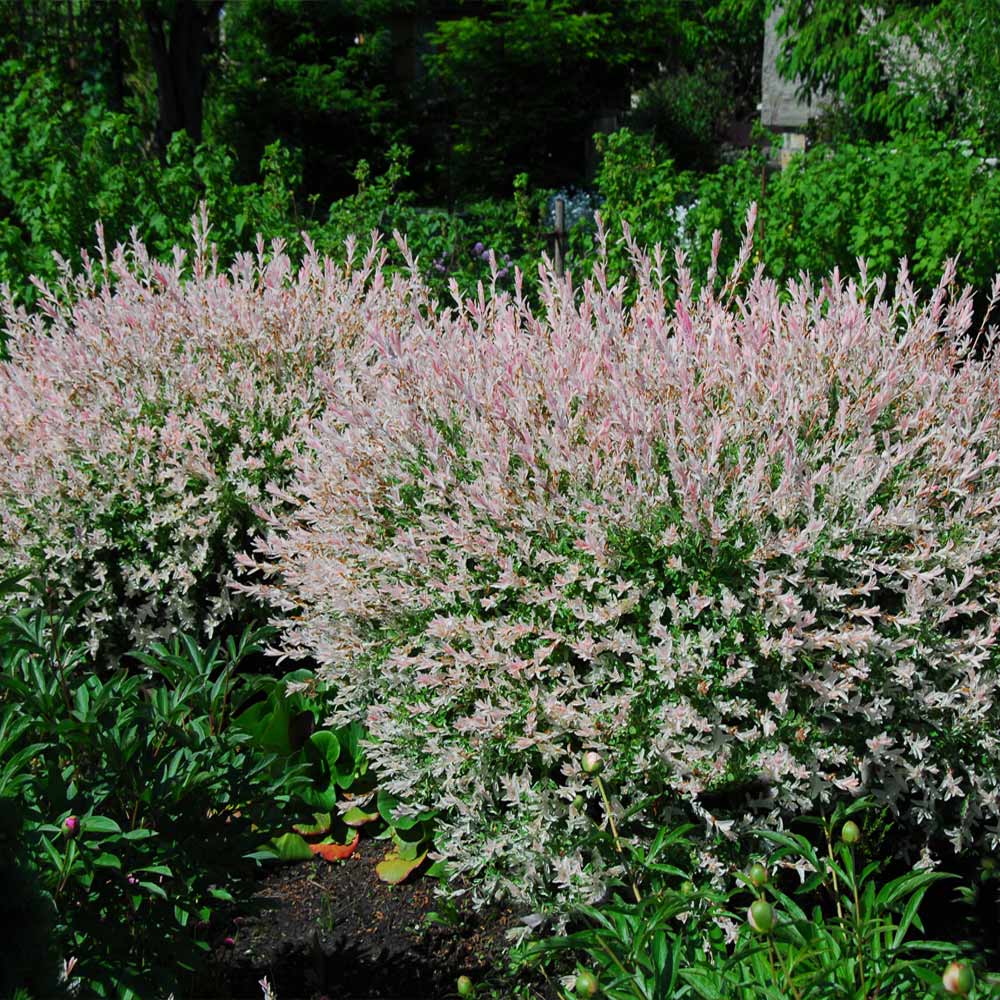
{"points": [[393, 869], [291, 847], [329, 850], [319, 828]]}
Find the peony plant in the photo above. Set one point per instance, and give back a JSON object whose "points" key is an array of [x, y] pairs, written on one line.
{"points": [[740, 543], [149, 408]]}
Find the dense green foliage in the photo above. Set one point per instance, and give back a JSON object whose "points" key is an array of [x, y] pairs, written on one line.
{"points": [[530, 69], [925, 199], [820, 920], [922, 64], [316, 77], [455, 124], [340, 117], [142, 809]]}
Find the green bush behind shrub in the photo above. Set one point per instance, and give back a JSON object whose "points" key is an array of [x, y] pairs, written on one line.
{"points": [[923, 197]]}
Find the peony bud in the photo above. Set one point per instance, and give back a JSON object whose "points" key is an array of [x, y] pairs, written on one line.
{"points": [[579, 802], [850, 832], [465, 987], [757, 875], [586, 984], [591, 762], [760, 916], [70, 827], [958, 979]]}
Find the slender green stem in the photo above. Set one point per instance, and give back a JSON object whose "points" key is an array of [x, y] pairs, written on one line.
{"points": [[786, 971], [614, 958], [770, 958], [833, 872], [64, 870], [614, 832], [857, 934]]}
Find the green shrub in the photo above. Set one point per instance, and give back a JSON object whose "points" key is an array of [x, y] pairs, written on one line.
{"points": [[735, 542], [927, 199], [143, 811]]}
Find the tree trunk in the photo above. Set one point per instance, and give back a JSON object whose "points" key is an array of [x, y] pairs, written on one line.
{"points": [[178, 57], [117, 95]]}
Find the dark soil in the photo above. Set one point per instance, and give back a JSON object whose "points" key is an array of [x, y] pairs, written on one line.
{"points": [[334, 930]]}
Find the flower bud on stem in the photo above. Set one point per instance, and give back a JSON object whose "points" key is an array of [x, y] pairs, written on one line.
{"points": [[592, 764]]}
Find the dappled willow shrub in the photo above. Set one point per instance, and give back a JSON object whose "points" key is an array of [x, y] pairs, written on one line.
{"points": [[144, 418], [748, 538]]}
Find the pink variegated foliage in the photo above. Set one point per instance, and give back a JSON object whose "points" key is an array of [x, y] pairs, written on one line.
{"points": [[748, 537], [143, 419]]}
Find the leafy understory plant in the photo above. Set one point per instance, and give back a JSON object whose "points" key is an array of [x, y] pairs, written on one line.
{"points": [[741, 542], [338, 796], [839, 933], [142, 811], [149, 408], [836, 933]]}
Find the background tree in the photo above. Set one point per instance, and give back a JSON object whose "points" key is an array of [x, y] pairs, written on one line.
{"points": [[905, 64], [527, 82], [182, 33], [318, 77]]}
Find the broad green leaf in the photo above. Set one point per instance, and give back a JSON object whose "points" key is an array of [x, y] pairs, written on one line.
{"points": [[99, 824], [157, 870], [318, 828], [358, 817], [154, 889], [140, 834], [394, 868], [291, 847]]}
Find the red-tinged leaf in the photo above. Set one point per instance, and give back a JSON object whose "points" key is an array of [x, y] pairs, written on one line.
{"points": [[358, 817], [394, 869], [318, 829], [330, 851]]}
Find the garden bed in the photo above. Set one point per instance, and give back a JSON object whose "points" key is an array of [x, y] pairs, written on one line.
{"points": [[336, 930]]}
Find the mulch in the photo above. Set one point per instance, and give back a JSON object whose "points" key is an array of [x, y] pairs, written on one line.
{"points": [[333, 930]]}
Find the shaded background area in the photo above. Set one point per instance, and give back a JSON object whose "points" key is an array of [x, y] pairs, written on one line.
{"points": [[457, 121]]}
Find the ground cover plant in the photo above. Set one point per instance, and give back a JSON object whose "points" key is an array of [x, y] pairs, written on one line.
{"points": [[740, 543], [148, 408]]}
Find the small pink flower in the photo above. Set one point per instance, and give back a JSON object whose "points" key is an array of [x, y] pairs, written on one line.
{"points": [[228, 941], [70, 827]]}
